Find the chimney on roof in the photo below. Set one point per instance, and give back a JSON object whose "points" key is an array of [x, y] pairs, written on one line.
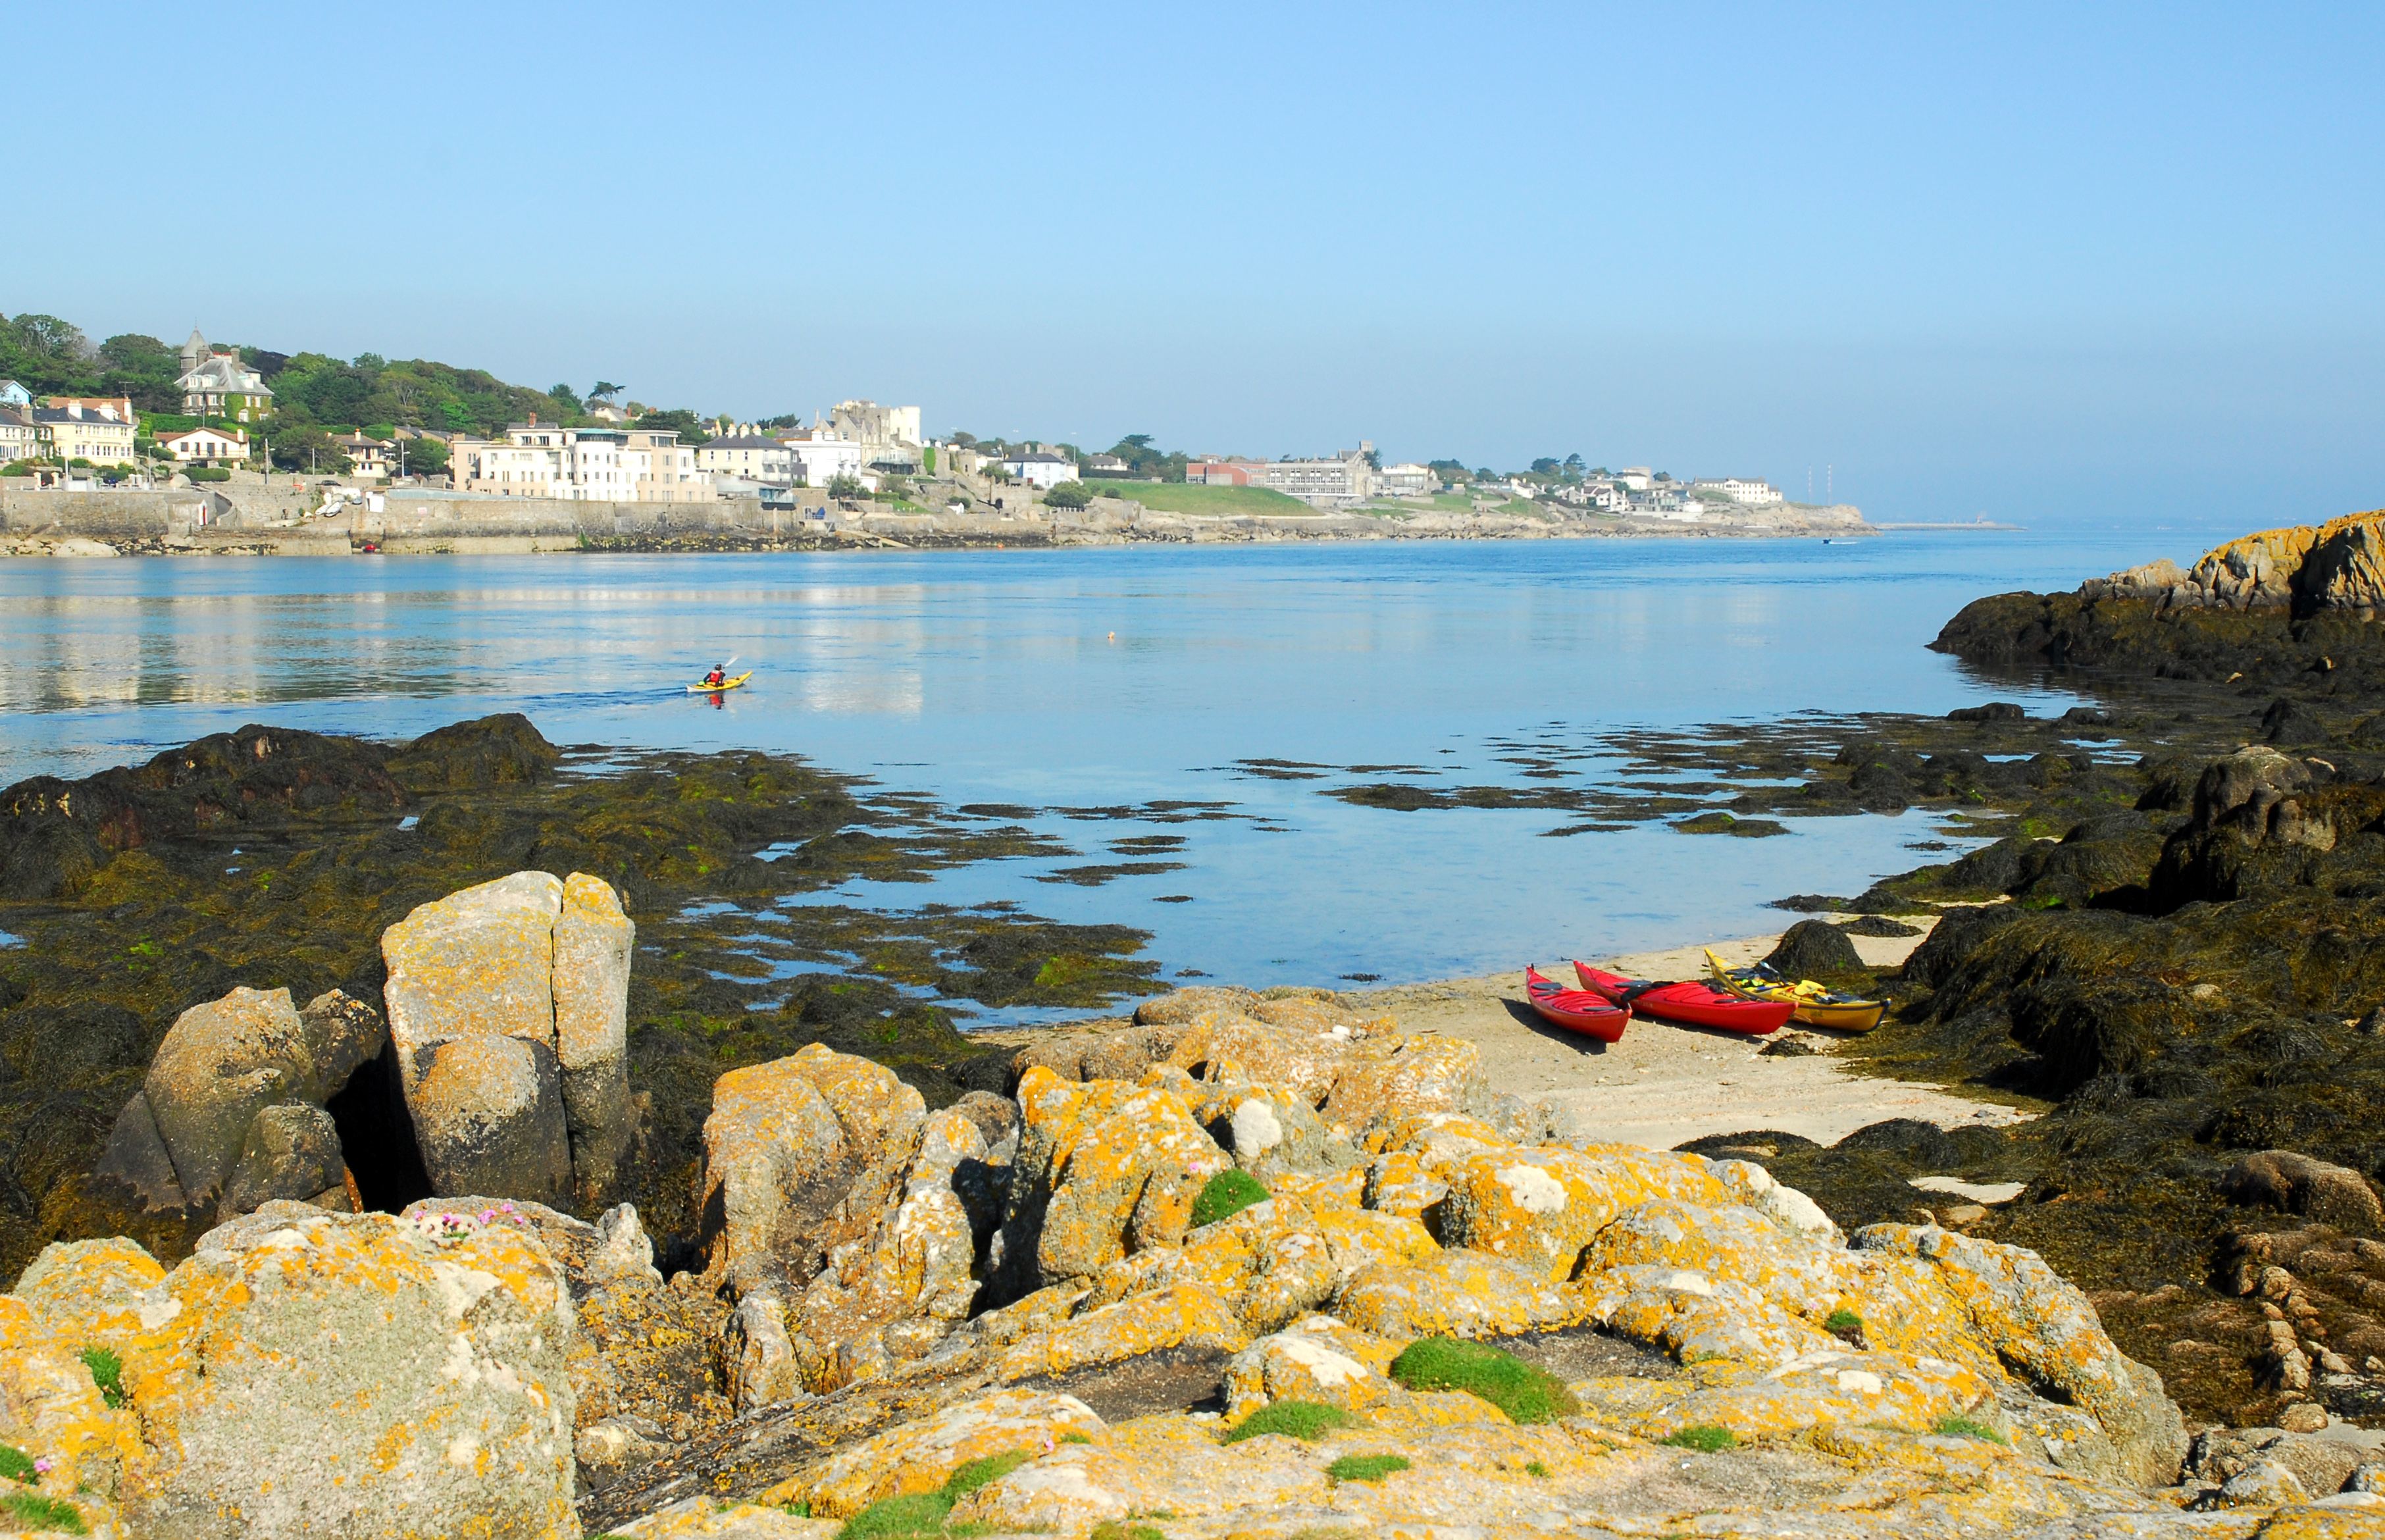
{"points": [[533, 417]]}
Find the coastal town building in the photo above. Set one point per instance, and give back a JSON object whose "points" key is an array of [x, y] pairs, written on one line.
{"points": [[1636, 478], [1740, 489], [1406, 480], [13, 394], [752, 456], [821, 454], [369, 456], [19, 439], [869, 424], [117, 408], [1039, 468], [1105, 465], [207, 445], [79, 433], [219, 384], [591, 465], [890, 436], [1346, 478]]}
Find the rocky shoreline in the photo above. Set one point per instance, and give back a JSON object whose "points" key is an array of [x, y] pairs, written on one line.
{"points": [[603, 1248]]}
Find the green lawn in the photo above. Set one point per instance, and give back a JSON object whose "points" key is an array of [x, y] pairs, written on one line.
{"points": [[1440, 501], [1215, 501]]}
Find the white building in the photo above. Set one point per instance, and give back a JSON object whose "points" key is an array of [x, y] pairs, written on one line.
{"points": [[1337, 482], [19, 440], [13, 394], [1639, 478], [752, 456], [206, 445], [1039, 468], [821, 454], [1406, 480], [588, 465], [1740, 489]]}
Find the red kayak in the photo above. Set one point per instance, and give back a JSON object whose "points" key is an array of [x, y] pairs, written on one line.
{"points": [[1694, 1002], [1579, 1010]]}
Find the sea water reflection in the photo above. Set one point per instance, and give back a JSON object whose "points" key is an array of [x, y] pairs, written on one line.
{"points": [[1106, 678]]}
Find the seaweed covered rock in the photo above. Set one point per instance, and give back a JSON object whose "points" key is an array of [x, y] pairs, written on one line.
{"points": [[488, 751], [1814, 949], [2294, 1183], [55, 834]]}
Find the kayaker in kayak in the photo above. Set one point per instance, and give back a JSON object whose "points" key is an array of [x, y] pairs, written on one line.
{"points": [[719, 674]]}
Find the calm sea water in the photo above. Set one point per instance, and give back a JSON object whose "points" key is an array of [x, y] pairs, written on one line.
{"points": [[1109, 678]]}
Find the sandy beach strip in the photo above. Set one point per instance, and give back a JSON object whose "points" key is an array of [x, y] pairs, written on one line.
{"points": [[1663, 1084]]}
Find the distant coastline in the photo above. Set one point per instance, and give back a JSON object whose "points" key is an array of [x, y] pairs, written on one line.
{"points": [[293, 519]]}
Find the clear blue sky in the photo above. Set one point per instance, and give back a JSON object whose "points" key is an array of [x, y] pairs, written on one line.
{"points": [[2091, 264]]}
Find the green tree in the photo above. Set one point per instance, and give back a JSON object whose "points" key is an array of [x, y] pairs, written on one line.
{"points": [[425, 457], [308, 448], [1069, 495], [690, 426], [845, 488], [143, 368]]}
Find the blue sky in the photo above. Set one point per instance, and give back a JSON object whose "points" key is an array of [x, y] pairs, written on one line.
{"points": [[2096, 264]]}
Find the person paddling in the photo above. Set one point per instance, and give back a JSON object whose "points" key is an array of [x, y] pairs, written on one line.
{"points": [[718, 675]]}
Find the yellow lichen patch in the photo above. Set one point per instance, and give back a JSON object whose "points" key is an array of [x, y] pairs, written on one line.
{"points": [[1185, 1316], [1361, 1237], [1124, 1164], [106, 1294], [1455, 1293], [1402, 1183], [1155, 1464], [320, 1363], [1823, 1389], [1387, 1078], [54, 1412], [703, 1519], [918, 1457], [1321, 1194], [1695, 1317], [1412, 1411], [1541, 1207], [2314, 1521], [1318, 1360], [871, 1103], [1420, 1134]]}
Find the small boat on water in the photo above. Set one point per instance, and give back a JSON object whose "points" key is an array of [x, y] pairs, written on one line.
{"points": [[1814, 1004], [1579, 1011], [701, 689], [1691, 1002]]}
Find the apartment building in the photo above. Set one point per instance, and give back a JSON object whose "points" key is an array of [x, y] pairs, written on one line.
{"points": [[1039, 468], [587, 465], [1343, 480], [1740, 489]]}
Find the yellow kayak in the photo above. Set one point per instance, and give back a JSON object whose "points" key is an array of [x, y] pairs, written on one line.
{"points": [[1816, 1006], [701, 689]]}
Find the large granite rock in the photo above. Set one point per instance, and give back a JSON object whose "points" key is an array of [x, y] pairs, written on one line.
{"points": [[307, 1372], [2339, 565], [509, 1007], [231, 1113]]}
